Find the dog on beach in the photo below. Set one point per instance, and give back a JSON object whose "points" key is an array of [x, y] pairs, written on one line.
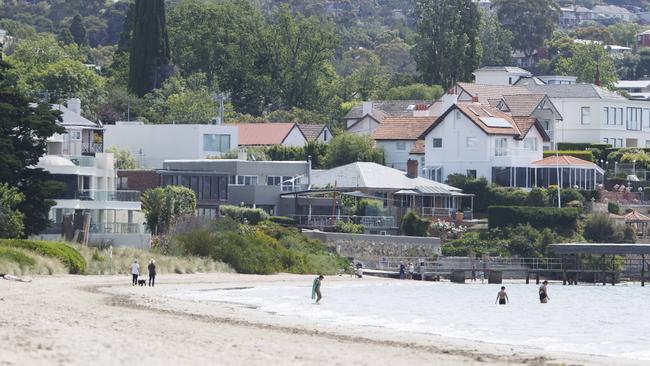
{"points": [[142, 282]]}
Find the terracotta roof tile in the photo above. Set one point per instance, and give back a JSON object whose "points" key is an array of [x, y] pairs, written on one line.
{"points": [[418, 148], [487, 92], [565, 161], [402, 128], [259, 134], [522, 104], [635, 216], [310, 131], [476, 111]]}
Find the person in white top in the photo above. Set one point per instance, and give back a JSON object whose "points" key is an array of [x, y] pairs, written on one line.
{"points": [[135, 271]]}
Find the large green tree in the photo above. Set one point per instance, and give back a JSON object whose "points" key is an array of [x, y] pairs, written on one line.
{"points": [[150, 62], [582, 63], [495, 41], [24, 129], [448, 48], [530, 21], [162, 207], [347, 148], [11, 220], [78, 31]]}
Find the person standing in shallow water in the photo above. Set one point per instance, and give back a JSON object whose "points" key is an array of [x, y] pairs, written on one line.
{"points": [[543, 294], [315, 289], [152, 273], [502, 296], [135, 271]]}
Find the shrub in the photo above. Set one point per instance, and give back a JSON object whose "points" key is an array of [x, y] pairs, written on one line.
{"points": [[472, 242], [16, 256], [575, 204], [629, 234], [244, 214], [413, 225], [537, 197], [580, 154], [600, 228], [348, 227], [562, 220], [283, 220], [571, 194], [64, 253], [613, 207], [370, 207]]}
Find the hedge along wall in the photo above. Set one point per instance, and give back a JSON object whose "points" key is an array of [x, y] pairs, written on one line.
{"points": [[581, 146], [563, 220], [580, 154]]}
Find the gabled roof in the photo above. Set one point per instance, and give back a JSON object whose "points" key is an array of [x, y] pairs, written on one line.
{"points": [[418, 148], [573, 91], [310, 131], [634, 216], [566, 161], [521, 104], [486, 92], [386, 108], [260, 134], [374, 176], [70, 118], [402, 128], [518, 127]]}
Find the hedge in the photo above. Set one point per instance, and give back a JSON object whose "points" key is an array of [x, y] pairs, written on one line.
{"points": [[251, 215], [580, 154], [64, 253], [563, 220], [582, 146]]}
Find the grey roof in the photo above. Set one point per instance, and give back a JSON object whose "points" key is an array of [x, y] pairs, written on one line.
{"points": [[71, 118], [573, 91], [625, 84], [375, 176], [510, 69], [386, 108]]}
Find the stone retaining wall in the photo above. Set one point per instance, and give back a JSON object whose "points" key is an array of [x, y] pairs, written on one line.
{"points": [[365, 246]]}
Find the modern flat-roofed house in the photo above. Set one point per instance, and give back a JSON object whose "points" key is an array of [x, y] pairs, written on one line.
{"points": [[151, 144], [635, 89], [480, 141], [364, 119], [397, 136], [268, 134], [90, 204], [316, 133], [236, 182]]}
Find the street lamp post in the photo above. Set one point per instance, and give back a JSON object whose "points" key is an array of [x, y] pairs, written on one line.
{"points": [[633, 167]]}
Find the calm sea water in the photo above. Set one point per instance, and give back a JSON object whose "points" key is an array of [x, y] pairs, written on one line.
{"points": [[600, 320]]}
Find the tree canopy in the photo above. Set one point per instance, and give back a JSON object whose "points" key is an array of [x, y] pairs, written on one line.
{"points": [[530, 21]]}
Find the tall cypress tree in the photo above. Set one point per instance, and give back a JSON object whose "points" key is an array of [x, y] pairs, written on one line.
{"points": [[78, 31], [150, 62]]}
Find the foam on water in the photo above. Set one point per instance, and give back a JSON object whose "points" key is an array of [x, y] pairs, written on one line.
{"points": [[600, 320]]}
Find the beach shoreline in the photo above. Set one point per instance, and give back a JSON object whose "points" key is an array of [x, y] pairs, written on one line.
{"points": [[104, 320]]}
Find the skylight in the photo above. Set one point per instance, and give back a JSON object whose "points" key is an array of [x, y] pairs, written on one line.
{"points": [[495, 122]]}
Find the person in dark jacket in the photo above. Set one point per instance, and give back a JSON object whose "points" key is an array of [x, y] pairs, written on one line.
{"points": [[152, 272]]}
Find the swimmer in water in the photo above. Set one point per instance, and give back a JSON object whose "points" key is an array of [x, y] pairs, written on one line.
{"points": [[502, 296]]}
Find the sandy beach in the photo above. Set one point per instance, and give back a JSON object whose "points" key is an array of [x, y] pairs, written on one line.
{"points": [[102, 320]]}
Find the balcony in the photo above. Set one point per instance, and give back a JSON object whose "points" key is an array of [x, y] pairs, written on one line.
{"points": [[95, 195], [83, 161], [91, 148], [116, 228]]}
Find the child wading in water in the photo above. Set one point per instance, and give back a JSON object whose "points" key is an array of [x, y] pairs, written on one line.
{"points": [[502, 296], [315, 289]]}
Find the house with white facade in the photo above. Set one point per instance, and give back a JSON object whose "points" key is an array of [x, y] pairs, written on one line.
{"points": [[364, 119], [612, 12], [90, 207], [151, 144], [635, 89], [316, 133], [397, 137], [478, 140]]}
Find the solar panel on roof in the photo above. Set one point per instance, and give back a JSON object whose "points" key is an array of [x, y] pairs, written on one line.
{"points": [[473, 111], [495, 122]]}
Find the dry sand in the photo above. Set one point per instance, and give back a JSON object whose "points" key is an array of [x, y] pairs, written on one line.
{"points": [[102, 320]]}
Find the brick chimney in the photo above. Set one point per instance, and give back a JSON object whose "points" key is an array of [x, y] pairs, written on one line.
{"points": [[475, 99], [412, 168]]}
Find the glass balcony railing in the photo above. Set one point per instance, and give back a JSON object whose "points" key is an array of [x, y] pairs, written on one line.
{"points": [[95, 195], [84, 161], [116, 228]]}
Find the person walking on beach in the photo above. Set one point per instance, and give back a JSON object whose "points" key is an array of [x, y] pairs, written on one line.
{"points": [[473, 273], [502, 296], [152, 272], [411, 270], [135, 271], [315, 289], [543, 294], [402, 270]]}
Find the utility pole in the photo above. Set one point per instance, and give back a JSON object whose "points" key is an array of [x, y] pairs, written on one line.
{"points": [[220, 98]]}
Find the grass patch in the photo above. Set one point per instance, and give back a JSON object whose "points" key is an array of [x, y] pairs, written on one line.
{"points": [[68, 255], [16, 256]]}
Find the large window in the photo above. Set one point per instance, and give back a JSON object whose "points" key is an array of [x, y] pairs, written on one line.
{"points": [[530, 144], [243, 180], [122, 182], [585, 115], [437, 143], [501, 146], [435, 173], [216, 143], [606, 115], [634, 118], [286, 182]]}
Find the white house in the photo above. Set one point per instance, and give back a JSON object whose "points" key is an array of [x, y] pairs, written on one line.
{"points": [[493, 75], [91, 201], [152, 144], [636, 89], [364, 119], [397, 137], [480, 141]]}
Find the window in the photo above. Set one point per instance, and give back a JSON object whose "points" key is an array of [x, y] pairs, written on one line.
{"points": [[612, 116], [634, 119], [437, 143], [546, 125], [216, 143], [435, 173], [501, 146], [325, 137], [471, 173], [620, 142], [122, 182], [585, 115], [647, 143], [470, 142], [400, 146], [243, 180], [530, 144], [620, 116], [646, 118], [75, 135], [605, 115]]}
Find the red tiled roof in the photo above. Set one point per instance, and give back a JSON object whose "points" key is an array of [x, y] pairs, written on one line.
{"points": [[421, 107], [256, 134], [523, 104], [418, 148], [635, 216], [565, 161], [476, 111], [402, 128]]}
